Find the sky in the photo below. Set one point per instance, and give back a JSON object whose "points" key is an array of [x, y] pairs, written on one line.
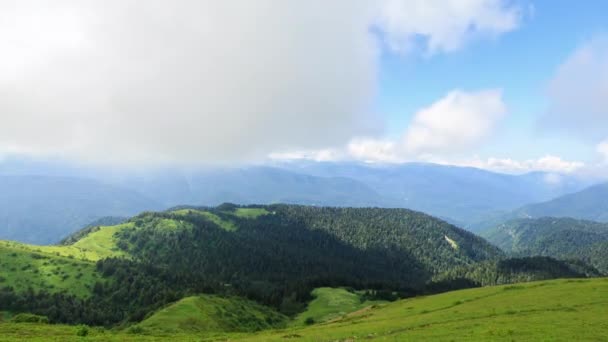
{"points": [[507, 85]]}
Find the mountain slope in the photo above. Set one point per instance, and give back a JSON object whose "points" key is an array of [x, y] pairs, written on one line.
{"points": [[212, 314], [274, 254], [23, 269], [588, 204], [562, 310], [559, 310], [563, 238], [43, 210]]}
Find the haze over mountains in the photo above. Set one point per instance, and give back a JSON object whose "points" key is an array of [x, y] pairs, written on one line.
{"points": [[68, 197]]}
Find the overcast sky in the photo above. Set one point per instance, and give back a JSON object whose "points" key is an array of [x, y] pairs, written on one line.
{"points": [[506, 85]]}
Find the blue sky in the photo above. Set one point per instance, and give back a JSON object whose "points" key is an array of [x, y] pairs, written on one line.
{"points": [[520, 62]]}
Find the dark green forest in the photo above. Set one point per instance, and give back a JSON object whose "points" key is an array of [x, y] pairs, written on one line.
{"points": [[561, 238]]}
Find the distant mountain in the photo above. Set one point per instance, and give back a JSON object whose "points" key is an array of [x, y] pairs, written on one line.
{"points": [[588, 204], [562, 238], [461, 195], [43, 210]]}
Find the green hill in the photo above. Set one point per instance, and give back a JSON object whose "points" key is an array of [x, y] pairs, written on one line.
{"points": [[563, 238], [212, 314], [558, 310], [562, 310], [23, 269], [274, 255]]}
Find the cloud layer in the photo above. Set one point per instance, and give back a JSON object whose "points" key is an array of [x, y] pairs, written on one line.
{"points": [[456, 122], [578, 93], [209, 80]]}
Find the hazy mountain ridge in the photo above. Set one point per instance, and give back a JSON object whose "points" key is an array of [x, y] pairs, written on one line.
{"points": [[42, 209], [458, 195], [590, 204]]}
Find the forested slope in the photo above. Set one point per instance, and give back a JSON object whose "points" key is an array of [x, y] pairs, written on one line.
{"points": [[563, 238], [275, 255]]}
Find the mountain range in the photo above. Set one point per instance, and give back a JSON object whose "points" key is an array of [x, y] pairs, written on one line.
{"points": [[56, 201]]}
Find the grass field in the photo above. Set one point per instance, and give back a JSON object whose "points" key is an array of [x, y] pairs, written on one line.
{"points": [[58, 268], [224, 224], [22, 269], [95, 246], [331, 303], [212, 314], [250, 213], [560, 310]]}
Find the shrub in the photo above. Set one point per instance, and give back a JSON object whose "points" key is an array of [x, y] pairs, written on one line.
{"points": [[309, 321], [82, 330], [29, 318]]}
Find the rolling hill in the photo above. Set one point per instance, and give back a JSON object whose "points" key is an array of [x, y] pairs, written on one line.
{"points": [[274, 255], [563, 238], [558, 310], [212, 315]]}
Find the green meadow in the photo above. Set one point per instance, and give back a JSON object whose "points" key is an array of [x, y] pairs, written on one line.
{"points": [[211, 314], [558, 310], [331, 303], [23, 269]]}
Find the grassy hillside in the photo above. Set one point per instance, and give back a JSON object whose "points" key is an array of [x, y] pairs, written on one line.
{"points": [[561, 310], [98, 244], [22, 269], [58, 268], [558, 310], [563, 238], [212, 314], [332, 303], [275, 255]]}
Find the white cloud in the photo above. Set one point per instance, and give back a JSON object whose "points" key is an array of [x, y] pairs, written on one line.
{"points": [[321, 155], [375, 150], [602, 149], [455, 123], [547, 163], [578, 93], [208, 80], [445, 25]]}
